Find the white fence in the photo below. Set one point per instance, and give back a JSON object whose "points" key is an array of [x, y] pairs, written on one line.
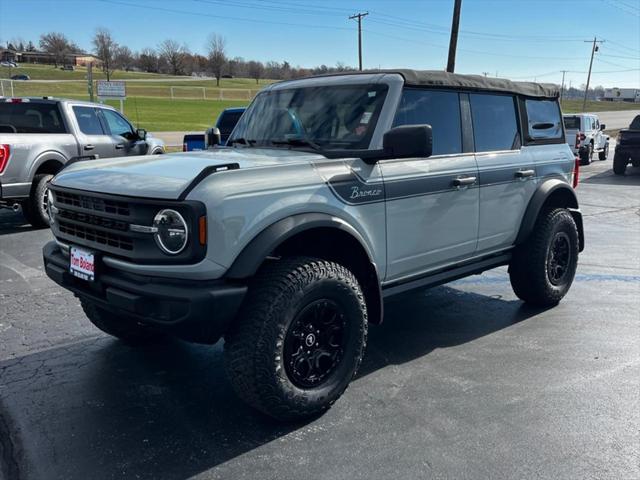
{"points": [[6, 88]]}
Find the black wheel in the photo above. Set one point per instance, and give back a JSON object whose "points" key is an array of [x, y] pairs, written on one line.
{"points": [[635, 163], [587, 155], [124, 328], [35, 209], [605, 153], [620, 164], [542, 269], [299, 338]]}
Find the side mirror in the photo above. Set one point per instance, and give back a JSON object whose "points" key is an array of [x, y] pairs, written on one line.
{"points": [[602, 126], [212, 137], [141, 133], [408, 141]]}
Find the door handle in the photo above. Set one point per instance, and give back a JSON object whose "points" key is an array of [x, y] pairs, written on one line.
{"points": [[464, 181], [119, 146], [525, 173], [89, 147]]}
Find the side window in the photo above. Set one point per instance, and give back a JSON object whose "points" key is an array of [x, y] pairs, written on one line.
{"points": [[117, 124], [495, 126], [88, 120], [441, 110], [593, 123], [544, 121]]}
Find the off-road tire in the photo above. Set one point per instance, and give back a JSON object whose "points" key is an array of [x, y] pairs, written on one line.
{"points": [[587, 155], [635, 163], [255, 347], [124, 328], [604, 153], [34, 209], [620, 164], [529, 268]]}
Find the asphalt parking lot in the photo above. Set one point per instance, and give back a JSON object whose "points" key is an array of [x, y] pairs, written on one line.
{"points": [[462, 381]]}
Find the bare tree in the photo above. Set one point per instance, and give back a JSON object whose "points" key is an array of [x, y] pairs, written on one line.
{"points": [[148, 60], [217, 58], [105, 48], [57, 45], [124, 58], [256, 69], [174, 55]]}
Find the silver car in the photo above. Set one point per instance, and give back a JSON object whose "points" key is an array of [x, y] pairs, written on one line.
{"points": [[333, 194], [39, 136]]}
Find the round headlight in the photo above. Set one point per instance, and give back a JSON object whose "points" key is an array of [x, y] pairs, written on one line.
{"points": [[172, 232]]}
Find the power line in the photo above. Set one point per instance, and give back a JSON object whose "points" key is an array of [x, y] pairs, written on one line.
{"points": [[359, 17]]}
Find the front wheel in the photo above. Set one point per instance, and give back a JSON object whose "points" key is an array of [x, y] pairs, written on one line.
{"points": [[620, 164], [299, 338], [604, 153], [543, 268]]}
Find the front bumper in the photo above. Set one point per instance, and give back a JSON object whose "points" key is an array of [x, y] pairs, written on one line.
{"points": [[197, 311]]}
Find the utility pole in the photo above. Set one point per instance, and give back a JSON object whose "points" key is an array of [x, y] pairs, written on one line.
{"points": [[359, 17], [562, 87], [594, 49], [453, 42]]}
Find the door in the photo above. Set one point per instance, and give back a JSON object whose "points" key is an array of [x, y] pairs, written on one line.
{"points": [[92, 136], [506, 170], [431, 203], [123, 136]]}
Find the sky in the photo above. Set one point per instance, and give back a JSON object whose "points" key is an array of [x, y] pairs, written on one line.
{"points": [[517, 39]]}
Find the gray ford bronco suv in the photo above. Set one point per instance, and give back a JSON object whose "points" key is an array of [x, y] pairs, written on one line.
{"points": [[333, 194]]}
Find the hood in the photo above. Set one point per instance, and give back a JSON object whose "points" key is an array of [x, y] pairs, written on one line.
{"points": [[166, 176]]}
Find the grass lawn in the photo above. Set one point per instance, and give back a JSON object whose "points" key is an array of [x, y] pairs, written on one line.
{"points": [[161, 114], [575, 106]]}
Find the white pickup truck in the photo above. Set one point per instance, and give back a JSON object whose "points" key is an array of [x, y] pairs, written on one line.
{"points": [[39, 136], [585, 135]]}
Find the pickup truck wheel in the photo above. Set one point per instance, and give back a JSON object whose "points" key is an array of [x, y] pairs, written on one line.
{"points": [[604, 153], [124, 328], [299, 338], [35, 209], [542, 269], [620, 164]]}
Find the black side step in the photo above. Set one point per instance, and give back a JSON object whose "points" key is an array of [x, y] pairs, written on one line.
{"points": [[449, 275], [205, 173]]}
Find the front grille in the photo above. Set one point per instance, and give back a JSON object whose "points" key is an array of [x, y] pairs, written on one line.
{"points": [[87, 218], [93, 203], [95, 235]]}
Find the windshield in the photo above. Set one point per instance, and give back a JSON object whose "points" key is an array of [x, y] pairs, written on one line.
{"points": [[328, 117]]}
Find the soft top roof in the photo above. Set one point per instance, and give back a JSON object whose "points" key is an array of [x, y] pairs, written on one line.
{"points": [[441, 79]]}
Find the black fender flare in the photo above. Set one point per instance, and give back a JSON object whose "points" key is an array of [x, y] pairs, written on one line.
{"points": [[545, 190], [258, 249], [252, 256]]}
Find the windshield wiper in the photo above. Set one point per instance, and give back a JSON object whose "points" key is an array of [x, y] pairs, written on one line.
{"points": [[298, 142], [241, 140]]}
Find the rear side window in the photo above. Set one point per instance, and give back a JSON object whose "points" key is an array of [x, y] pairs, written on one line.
{"points": [[30, 117], [494, 122], [441, 110], [572, 123], [88, 120], [544, 121]]}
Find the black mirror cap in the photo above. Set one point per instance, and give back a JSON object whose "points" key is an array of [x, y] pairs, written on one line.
{"points": [[212, 137], [408, 141], [142, 133], [602, 126]]}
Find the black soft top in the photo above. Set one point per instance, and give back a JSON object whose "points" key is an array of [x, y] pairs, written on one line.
{"points": [[442, 79]]}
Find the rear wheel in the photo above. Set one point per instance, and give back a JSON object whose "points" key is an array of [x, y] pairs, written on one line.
{"points": [[122, 327], [35, 209], [587, 155], [620, 164], [299, 338], [604, 153], [542, 269]]}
